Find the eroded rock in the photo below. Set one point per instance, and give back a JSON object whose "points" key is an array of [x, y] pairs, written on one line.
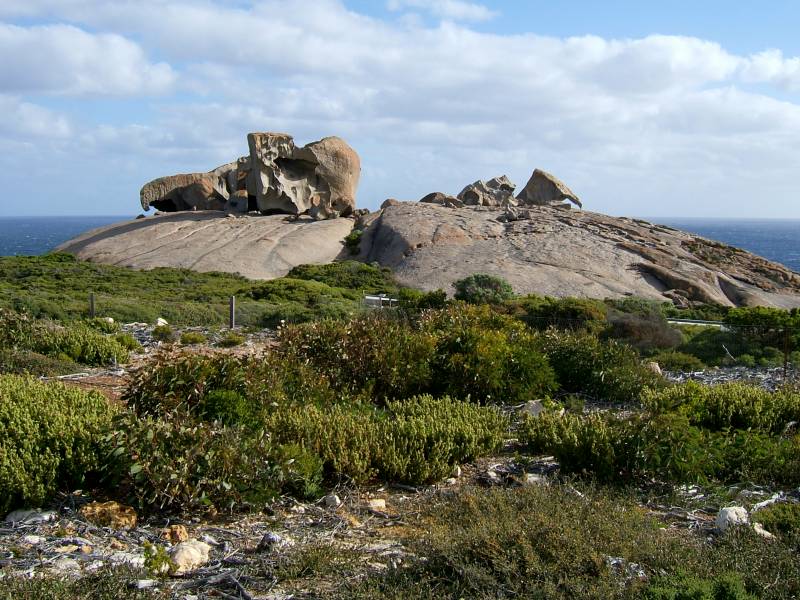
{"points": [[498, 191], [191, 555], [319, 179], [543, 189], [109, 514]]}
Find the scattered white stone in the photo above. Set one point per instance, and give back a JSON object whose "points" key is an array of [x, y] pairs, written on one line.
{"points": [[758, 528], [30, 517], [731, 516], [533, 408], [146, 584], [533, 479], [451, 481], [161, 322], [93, 566], [210, 540], [779, 497], [378, 504], [66, 566], [298, 509], [108, 320], [332, 501], [190, 555], [456, 472], [127, 558], [32, 540]]}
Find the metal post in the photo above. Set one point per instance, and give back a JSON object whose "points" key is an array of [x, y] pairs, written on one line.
{"points": [[233, 312], [91, 306]]}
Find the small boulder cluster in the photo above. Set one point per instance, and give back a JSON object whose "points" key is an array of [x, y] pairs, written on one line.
{"points": [[542, 189]]}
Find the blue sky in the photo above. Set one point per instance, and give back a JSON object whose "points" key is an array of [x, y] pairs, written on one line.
{"points": [[657, 109]]}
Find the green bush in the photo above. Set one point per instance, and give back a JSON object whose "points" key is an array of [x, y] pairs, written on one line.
{"points": [[127, 341], [377, 355], [647, 333], [352, 241], [541, 312], [460, 351], [181, 382], [349, 274], [76, 341], [605, 370], [418, 440], [483, 289], [192, 338], [415, 300], [723, 587], [164, 333], [729, 405], [21, 362], [781, 518], [678, 362], [663, 446], [231, 340], [48, 439], [173, 462]]}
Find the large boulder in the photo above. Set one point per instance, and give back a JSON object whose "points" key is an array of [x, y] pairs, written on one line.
{"points": [[543, 189], [319, 179], [187, 191], [498, 191]]}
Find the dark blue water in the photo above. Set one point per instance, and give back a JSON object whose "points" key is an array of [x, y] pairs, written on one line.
{"points": [[38, 235], [775, 239]]}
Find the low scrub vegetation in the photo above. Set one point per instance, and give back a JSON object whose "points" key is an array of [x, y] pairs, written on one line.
{"points": [[727, 433], [25, 340], [561, 542], [49, 439]]}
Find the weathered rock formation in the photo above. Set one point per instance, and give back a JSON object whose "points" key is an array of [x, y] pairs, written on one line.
{"points": [[256, 246], [547, 250], [543, 189], [498, 191], [534, 241], [319, 179]]}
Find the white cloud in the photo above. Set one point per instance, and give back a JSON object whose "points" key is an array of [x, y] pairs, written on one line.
{"points": [[27, 122], [456, 10], [63, 59], [658, 125]]}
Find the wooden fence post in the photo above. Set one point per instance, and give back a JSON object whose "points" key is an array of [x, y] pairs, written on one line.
{"points": [[91, 306], [233, 312]]}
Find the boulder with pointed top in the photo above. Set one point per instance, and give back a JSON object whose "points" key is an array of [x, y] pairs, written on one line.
{"points": [[543, 189], [498, 191]]}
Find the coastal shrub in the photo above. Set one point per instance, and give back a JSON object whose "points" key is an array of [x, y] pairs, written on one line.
{"points": [[728, 406], [415, 300], [298, 301], [678, 362], [75, 341], [181, 382], [461, 351], [127, 341], [541, 312], [416, 441], [48, 439], [601, 369], [349, 274], [32, 363], [666, 446], [491, 366], [231, 340], [781, 518], [192, 338], [571, 540], [177, 463], [645, 332], [380, 356], [164, 333], [729, 586], [352, 241], [424, 438], [481, 288]]}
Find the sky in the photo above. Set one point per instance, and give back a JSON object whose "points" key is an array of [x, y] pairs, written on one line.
{"points": [[674, 109]]}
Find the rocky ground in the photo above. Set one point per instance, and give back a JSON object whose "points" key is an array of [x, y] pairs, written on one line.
{"points": [[294, 549]]}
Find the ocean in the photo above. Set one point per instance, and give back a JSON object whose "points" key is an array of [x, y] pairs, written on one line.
{"points": [[29, 236], [777, 240]]}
